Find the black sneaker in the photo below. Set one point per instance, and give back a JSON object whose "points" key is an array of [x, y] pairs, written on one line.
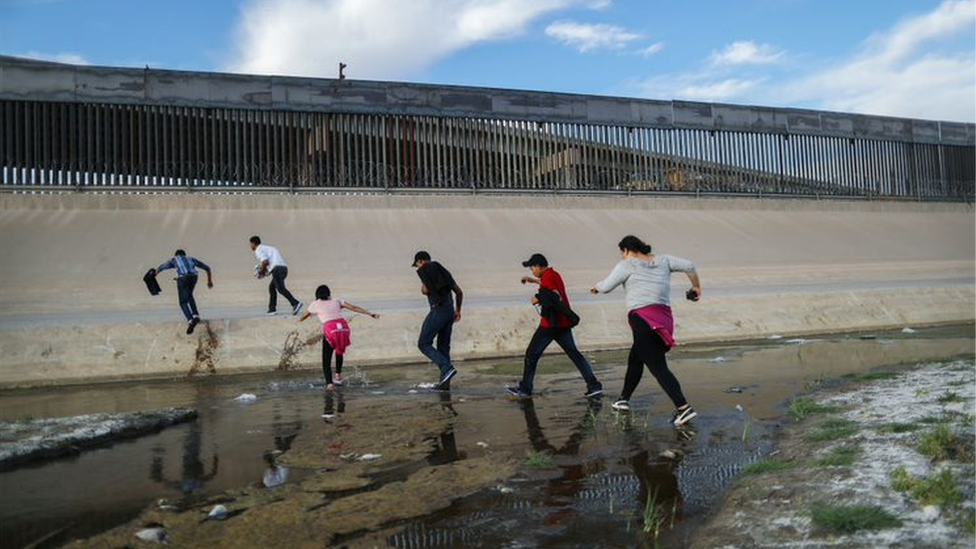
{"points": [[192, 324], [517, 391], [297, 308], [680, 417], [593, 392], [445, 383]]}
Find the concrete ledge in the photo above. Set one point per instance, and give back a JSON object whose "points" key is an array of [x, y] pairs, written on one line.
{"points": [[60, 355]]}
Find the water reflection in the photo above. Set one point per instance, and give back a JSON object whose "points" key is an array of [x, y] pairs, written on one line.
{"points": [[193, 474], [445, 447], [274, 474], [334, 403]]}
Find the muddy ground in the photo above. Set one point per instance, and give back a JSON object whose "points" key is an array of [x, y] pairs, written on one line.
{"points": [[384, 463]]}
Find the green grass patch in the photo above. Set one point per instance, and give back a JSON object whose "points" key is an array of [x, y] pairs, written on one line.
{"points": [[874, 376], [899, 428], [833, 429], [541, 460], [950, 397], [803, 407], [845, 519], [941, 444], [841, 456], [966, 520], [931, 420], [938, 489], [767, 466]]}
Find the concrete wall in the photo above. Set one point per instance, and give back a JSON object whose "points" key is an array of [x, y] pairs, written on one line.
{"points": [[72, 304], [38, 80]]}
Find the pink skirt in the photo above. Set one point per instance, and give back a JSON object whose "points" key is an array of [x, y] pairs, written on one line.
{"points": [[336, 332], [659, 318]]}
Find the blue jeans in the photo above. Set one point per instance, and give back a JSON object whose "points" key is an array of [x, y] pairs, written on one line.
{"points": [[184, 288], [564, 338], [439, 323]]}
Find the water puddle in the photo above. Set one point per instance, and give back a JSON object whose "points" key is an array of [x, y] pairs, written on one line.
{"points": [[584, 474]]}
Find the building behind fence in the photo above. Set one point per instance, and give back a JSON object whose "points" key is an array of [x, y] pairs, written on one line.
{"points": [[65, 126]]}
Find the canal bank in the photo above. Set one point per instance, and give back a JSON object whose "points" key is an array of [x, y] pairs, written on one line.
{"points": [[782, 266]]}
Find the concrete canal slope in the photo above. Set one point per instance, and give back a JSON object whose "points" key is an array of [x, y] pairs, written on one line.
{"points": [[73, 306]]}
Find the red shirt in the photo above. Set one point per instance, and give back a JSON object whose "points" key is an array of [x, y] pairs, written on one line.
{"points": [[551, 280]]}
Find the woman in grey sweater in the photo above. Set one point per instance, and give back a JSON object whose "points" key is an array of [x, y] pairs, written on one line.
{"points": [[646, 279]]}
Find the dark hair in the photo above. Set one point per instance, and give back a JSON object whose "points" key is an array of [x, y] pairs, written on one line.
{"points": [[323, 292], [180, 252], [634, 244], [256, 240]]}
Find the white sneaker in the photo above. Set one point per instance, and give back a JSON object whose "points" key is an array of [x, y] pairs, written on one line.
{"points": [[621, 406], [337, 379], [684, 416]]}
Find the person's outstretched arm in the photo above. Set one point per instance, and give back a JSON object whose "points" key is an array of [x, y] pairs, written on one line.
{"points": [[305, 315], [360, 310], [616, 277], [167, 265]]}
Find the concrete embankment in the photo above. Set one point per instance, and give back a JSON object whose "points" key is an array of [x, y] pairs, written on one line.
{"points": [[73, 308]]}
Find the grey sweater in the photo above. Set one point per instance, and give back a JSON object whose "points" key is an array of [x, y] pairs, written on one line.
{"points": [[646, 282]]}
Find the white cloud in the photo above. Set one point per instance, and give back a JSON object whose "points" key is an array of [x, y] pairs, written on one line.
{"points": [[905, 71], [746, 52], [383, 39], [588, 37], [61, 57], [702, 86], [650, 50]]}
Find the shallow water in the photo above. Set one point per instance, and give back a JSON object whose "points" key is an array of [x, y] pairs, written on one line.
{"points": [[605, 465]]}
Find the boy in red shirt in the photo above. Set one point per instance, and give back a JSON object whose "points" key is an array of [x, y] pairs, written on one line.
{"points": [[560, 331]]}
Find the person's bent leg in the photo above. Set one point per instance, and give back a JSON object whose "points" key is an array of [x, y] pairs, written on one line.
{"points": [[273, 301], [327, 360], [191, 283], [278, 276], [650, 347], [565, 340], [433, 324], [444, 334], [184, 296], [635, 371], [537, 345]]}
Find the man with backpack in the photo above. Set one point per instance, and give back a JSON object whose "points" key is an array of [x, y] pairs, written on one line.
{"points": [[556, 324]]}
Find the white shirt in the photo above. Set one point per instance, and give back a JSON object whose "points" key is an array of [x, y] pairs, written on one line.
{"points": [[270, 254]]}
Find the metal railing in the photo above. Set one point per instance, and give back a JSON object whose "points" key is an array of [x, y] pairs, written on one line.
{"points": [[83, 143]]}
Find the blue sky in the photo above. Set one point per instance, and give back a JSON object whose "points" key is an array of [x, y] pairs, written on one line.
{"points": [[914, 58]]}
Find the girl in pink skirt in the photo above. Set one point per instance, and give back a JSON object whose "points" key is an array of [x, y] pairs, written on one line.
{"points": [[335, 331]]}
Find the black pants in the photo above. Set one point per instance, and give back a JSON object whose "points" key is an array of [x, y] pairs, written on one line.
{"points": [[564, 338], [184, 288], [648, 349], [327, 351], [277, 286]]}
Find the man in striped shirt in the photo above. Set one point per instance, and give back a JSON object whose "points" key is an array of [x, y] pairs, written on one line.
{"points": [[186, 280]]}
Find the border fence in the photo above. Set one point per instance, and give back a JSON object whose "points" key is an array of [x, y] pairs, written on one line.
{"points": [[78, 127]]}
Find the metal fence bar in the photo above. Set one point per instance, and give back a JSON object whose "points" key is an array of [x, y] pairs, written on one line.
{"points": [[78, 145]]}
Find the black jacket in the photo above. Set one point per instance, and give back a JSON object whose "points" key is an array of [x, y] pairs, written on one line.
{"points": [[151, 284], [552, 305]]}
